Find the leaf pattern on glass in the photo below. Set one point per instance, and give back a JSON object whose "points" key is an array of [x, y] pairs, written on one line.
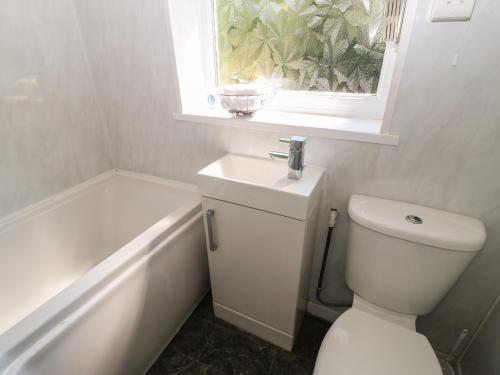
{"points": [[315, 45]]}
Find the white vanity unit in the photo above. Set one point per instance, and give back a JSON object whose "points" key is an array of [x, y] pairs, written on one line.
{"points": [[260, 227]]}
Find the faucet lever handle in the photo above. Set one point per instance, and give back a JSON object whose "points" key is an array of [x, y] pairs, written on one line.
{"points": [[295, 141], [279, 155]]}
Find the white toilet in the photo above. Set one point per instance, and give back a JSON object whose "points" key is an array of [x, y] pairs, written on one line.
{"points": [[401, 260]]}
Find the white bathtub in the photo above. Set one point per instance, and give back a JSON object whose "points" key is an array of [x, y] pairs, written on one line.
{"points": [[98, 279]]}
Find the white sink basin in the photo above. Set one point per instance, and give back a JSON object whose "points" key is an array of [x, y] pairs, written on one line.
{"points": [[262, 184]]}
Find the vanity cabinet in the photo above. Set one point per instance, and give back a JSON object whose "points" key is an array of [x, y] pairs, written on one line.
{"points": [[260, 228], [259, 268]]}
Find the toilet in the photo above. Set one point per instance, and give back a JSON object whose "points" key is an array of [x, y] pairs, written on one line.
{"points": [[401, 261]]}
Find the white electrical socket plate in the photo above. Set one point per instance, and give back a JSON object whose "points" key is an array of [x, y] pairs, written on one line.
{"points": [[451, 10]]}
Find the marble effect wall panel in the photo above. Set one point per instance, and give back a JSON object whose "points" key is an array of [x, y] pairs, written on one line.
{"points": [[448, 119], [52, 130]]}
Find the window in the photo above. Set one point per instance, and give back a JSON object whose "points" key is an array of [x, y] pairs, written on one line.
{"points": [[312, 45], [335, 62]]}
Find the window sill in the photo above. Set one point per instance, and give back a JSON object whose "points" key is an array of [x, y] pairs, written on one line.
{"points": [[348, 129]]}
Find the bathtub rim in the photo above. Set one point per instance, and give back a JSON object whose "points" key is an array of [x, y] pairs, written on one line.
{"points": [[33, 327], [74, 192]]}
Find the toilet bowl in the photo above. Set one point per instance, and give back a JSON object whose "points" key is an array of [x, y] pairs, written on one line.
{"points": [[364, 342], [401, 261]]}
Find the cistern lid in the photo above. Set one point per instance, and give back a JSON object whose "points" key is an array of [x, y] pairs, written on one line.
{"points": [[419, 224]]}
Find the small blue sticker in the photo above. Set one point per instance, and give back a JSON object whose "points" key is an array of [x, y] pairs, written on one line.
{"points": [[211, 99]]}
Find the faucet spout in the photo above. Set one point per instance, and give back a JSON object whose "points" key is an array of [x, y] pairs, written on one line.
{"points": [[295, 156]]}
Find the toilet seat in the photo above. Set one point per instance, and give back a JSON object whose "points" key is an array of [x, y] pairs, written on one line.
{"points": [[359, 343]]}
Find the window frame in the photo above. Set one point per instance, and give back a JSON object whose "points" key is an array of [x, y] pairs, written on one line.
{"points": [[192, 32]]}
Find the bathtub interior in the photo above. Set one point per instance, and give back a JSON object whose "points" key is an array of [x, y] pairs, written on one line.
{"points": [[46, 249]]}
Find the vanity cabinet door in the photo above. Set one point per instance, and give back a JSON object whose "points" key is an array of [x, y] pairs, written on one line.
{"points": [[256, 267]]}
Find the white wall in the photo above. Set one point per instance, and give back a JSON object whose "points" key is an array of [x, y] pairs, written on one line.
{"points": [[51, 127], [483, 356], [448, 118]]}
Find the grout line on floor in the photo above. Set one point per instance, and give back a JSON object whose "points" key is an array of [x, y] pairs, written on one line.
{"points": [[272, 364]]}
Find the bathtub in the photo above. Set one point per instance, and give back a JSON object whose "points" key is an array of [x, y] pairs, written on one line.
{"points": [[99, 278]]}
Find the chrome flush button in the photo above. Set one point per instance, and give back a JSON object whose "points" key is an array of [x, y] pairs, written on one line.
{"points": [[414, 219]]}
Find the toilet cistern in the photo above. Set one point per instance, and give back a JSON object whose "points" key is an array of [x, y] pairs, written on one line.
{"points": [[295, 156]]}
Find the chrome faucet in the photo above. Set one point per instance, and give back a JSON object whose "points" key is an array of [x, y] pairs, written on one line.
{"points": [[295, 156]]}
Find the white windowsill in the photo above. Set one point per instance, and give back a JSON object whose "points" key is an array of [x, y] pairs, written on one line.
{"points": [[348, 129]]}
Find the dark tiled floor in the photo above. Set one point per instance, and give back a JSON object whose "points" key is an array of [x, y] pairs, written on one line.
{"points": [[208, 346]]}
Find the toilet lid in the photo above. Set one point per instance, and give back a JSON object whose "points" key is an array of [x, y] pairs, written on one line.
{"points": [[362, 344]]}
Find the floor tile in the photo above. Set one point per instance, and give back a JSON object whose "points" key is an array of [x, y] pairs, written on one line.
{"points": [[192, 338], [205, 309], [233, 352], [287, 363], [171, 362], [310, 337], [207, 345]]}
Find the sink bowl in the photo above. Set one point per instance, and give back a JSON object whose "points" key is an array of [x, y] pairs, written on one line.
{"points": [[262, 184]]}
